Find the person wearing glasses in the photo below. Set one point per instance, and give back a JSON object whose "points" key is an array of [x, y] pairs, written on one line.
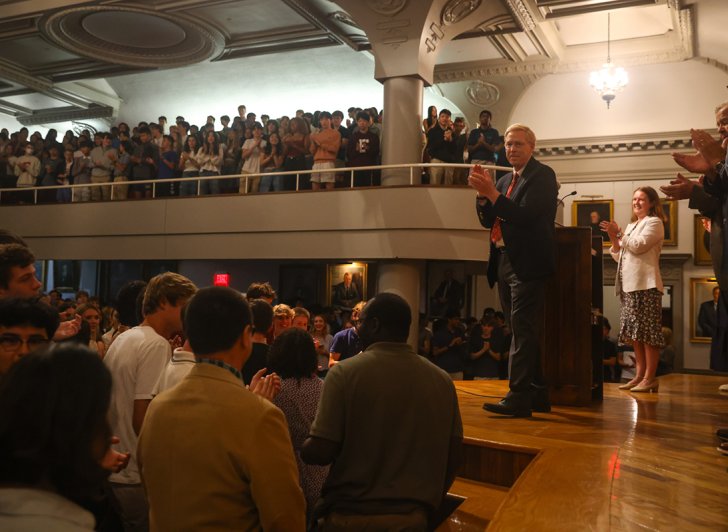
{"points": [[26, 325]]}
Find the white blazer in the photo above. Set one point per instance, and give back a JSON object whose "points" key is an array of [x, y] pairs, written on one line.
{"points": [[639, 257]]}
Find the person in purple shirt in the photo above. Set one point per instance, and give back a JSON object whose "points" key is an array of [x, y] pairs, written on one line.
{"points": [[346, 343]]}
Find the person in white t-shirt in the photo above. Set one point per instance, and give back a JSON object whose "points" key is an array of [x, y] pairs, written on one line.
{"points": [[136, 360], [252, 153]]}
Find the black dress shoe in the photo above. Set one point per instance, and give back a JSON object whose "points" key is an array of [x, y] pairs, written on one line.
{"points": [[540, 399], [508, 407]]}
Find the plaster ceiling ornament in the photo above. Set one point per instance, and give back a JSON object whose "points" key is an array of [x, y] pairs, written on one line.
{"points": [[344, 18], [387, 8], [133, 36], [456, 10], [522, 14], [482, 93]]}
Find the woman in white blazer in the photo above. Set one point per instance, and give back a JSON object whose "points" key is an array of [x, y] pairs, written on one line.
{"points": [[639, 284]]}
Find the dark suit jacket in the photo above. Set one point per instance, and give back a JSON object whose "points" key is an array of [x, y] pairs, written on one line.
{"points": [[527, 222], [707, 319]]}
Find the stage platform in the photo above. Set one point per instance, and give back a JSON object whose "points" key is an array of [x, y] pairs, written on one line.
{"points": [[633, 462]]}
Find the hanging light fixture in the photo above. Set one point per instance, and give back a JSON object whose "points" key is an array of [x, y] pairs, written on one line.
{"points": [[610, 79]]}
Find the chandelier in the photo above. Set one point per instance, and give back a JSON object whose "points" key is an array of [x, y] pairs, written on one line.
{"points": [[610, 79]]}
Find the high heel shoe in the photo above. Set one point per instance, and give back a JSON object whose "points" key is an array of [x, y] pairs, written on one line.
{"points": [[649, 387], [631, 384]]}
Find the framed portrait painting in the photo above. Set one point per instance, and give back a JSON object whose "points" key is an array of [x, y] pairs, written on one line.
{"points": [[669, 207], [346, 284], [701, 241], [591, 213], [704, 294]]}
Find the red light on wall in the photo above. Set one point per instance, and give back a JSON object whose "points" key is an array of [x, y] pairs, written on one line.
{"points": [[221, 279]]}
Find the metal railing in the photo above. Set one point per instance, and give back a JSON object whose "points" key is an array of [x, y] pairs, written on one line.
{"points": [[244, 178]]}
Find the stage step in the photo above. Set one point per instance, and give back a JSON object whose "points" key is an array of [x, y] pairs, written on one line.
{"points": [[481, 503]]}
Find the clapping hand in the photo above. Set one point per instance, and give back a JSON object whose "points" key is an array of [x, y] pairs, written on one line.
{"points": [[679, 188], [266, 386], [115, 461], [481, 180], [611, 228], [710, 149]]}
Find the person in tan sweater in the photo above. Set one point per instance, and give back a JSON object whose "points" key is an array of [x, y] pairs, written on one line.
{"points": [[324, 146]]}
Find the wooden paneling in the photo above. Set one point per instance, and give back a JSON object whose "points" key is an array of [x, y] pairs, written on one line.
{"points": [[566, 334]]}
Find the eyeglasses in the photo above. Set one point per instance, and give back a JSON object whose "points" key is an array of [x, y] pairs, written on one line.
{"points": [[11, 343]]}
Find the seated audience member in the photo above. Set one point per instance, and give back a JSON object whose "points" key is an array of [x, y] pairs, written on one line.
{"points": [[222, 475], [382, 477], [612, 369], [282, 318], [17, 272], [346, 343], [447, 345], [262, 324], [362, 150], [301, 318], [54, 437], [485, 348], [25, 325], [322, 340], [260, 291], [293, 357]]}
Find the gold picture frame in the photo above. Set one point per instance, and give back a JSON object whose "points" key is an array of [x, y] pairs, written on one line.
{"points": [[581, 216], [335, 276], [701, 299], [701, 243], [669, 207]]}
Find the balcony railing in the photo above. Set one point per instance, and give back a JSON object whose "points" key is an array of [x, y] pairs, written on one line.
{"points": [[414, 171]]}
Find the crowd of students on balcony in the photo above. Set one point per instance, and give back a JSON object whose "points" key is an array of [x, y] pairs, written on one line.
{"points": [[158, 150], [242, 146]]}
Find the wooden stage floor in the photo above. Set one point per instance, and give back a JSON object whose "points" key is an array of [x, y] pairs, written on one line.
{"points": [[633, 462]]}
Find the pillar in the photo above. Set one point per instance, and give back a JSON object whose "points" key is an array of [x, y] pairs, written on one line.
{"points": [[402, 134], [403, 278]]}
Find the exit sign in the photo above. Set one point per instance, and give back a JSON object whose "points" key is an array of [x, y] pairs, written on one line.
{"points": [[221, 279]]}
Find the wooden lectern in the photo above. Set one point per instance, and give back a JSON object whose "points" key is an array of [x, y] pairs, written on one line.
{"points": [[566, 337]]}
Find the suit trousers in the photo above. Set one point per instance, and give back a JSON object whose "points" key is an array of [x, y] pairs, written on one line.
{"points": [[523, 305]]}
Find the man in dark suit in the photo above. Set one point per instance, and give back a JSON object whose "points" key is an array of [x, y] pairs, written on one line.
{"points": [[345, 293], [449, 295], [708, 315], [519, 210]]}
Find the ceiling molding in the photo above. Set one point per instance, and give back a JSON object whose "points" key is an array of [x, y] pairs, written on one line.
{"points": [[67, 114], [68, 29]]}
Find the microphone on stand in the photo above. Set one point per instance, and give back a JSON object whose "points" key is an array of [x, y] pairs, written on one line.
{"points": [[561, 201]]}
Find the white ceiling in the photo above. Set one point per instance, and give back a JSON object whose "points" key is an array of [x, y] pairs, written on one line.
{"points": [[44, 43]]}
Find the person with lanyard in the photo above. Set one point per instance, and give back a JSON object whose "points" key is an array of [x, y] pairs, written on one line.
{"points": [[247, 467]]}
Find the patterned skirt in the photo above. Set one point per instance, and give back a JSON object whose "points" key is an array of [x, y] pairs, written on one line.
{"points": [[641, 317]]}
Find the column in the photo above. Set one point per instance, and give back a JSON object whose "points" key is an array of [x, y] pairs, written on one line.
{"points": [[403, 278], [402, 133]]}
